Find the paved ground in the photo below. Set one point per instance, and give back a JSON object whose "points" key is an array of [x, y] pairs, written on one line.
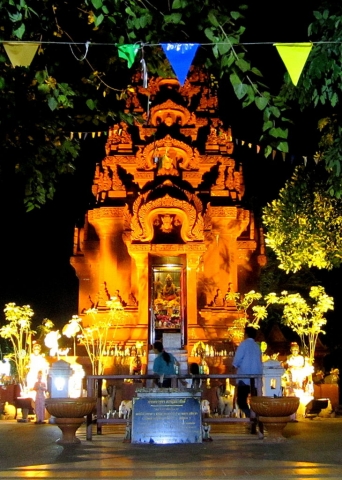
{"points": [[312, 450]]}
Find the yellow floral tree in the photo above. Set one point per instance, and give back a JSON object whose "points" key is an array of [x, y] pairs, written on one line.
{"points": [[250, 314], [304, 318], [95, 337], [18, 331]]}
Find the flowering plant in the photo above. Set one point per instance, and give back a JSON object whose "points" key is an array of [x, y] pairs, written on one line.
{"points": [[18, 331], [95, 337]]}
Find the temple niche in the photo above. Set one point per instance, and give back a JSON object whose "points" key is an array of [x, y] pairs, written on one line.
{"points": [[168, 230]]}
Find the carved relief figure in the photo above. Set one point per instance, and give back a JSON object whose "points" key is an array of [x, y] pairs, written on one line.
{"points": [[169, 289], [219, 299], [158, 288], [116, 182], [212, 137], [167, 223], [230, 178], [168, 167], [219, 185]]}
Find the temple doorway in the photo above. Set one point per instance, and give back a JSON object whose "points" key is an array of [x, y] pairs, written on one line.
{"points": [[167, 298]]}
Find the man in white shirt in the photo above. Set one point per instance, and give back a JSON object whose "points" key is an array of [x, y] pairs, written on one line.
{"points": [[247, 361]]}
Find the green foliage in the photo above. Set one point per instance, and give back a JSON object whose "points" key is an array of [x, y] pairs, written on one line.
{"points": [[65, 90], [320, 85], [304, 223], [304, 318]]}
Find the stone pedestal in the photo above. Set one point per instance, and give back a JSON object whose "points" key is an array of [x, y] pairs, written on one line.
{"points": [[274, 413]]}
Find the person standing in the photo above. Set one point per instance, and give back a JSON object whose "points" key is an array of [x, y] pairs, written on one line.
{"points": [[164, 364], [39, 404], [247, 361]]}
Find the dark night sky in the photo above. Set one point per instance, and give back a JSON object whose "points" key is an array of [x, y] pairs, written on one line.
{"points": [[36, 247]]}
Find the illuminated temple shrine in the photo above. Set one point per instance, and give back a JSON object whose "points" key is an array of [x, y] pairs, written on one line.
{"points": [[168, 235]]}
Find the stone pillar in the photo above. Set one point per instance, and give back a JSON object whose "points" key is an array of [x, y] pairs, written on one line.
{"points": [[107, 222], [222, 258], [141, 262], [192, 261]]}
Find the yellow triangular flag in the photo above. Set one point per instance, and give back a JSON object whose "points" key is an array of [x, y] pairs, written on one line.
{"points": [[294, 55], [21, 54]]}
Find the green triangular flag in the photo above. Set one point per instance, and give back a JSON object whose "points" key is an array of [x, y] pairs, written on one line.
{"points": [[21, 54], [128, 52], [294, 55]]}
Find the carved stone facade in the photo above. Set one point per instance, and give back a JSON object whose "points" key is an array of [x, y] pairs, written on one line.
{"points": [[168, 217]]}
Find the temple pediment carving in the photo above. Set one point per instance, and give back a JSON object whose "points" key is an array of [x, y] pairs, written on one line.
{"points": [[171, 113], [168, 215]]}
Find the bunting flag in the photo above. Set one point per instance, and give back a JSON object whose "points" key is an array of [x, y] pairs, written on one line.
{"points": [[84, 135], [180, 56], [128, 52], [294, 56], [21, 54]]}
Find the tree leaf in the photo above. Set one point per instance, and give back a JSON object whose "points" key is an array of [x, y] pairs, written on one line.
{"points": [[210, 35], [99, 20], [212, 19], [173, 18], [256, 72], [19, 32], [279, 132], [283, 147], [15, 17], [261, 102], [52, 102], [234, 79], [176, 4], [90, 104], [240, 90], [267, 125], [243, 65], [41, 76], [97, 3], [129, 11], [223, 48], [235, 15], [268, 151], [275, 111]]}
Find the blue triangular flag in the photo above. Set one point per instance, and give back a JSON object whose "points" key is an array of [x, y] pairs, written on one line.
{"points": [[180, 56]]}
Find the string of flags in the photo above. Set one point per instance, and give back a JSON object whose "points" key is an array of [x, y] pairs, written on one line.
{"points": [[84, 135], [179, 55], [237, 141]]}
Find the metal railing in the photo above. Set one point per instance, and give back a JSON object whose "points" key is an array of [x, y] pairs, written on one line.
{"points": [[95, 384]]}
